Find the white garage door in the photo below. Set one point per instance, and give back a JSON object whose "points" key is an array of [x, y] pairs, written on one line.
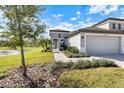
{"points": [[102, 44]]}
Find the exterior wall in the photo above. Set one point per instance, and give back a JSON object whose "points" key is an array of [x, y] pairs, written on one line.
{"points": [[104, 26], [75, 41], [83, 49], [55, 35], [83, 42], [123, 44], [116, 25], [109, 25]]}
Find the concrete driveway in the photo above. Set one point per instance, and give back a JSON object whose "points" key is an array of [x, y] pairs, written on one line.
{"points": [[119, 59]]}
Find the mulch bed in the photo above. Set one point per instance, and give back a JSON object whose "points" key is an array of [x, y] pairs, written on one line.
{"points": [[37, 77]]}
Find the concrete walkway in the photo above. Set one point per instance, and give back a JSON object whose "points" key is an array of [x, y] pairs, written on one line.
{"points": [[59, 56], [118, 59]]}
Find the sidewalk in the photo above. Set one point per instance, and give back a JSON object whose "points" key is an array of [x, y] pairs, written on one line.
{"points": [[59, 56]]}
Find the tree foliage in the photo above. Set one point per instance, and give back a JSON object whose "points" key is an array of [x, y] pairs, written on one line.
{"points": [[22, 23]]}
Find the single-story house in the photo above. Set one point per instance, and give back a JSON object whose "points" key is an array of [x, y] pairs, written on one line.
{"points": [[105, 37]]}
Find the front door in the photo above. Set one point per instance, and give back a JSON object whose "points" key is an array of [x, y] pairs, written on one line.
{"points": [[55, 41]]}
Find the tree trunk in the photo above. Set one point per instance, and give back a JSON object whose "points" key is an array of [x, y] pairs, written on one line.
{"points": [[23, 67], [43, 47], [46, 45]]}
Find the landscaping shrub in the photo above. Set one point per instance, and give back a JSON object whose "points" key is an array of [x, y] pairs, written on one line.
{"points": [[74, 55], [83, 64], [72, 49], [93, 78], [103, 63], [73, 52], [2, 75], [62, 65], [95, 63]]}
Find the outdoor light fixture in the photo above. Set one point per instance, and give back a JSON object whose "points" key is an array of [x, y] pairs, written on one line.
{"points": [[82, 37]]}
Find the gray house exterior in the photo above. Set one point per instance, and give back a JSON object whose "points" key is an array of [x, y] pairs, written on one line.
{"points": [[105, 37]]}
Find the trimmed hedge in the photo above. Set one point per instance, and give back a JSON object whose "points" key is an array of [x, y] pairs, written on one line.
{"points": [[93, 78], [72, 49], [74, 55], [73, 52], [83, 64]]}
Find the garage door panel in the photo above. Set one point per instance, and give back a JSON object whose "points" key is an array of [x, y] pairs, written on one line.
{"points": [[102, 44]]}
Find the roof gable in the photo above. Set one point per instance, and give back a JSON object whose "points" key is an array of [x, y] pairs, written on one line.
{"points": [[108, 19]]}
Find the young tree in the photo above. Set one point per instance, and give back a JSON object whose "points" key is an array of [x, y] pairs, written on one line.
{"points": [[22, 22], [45, 44]]}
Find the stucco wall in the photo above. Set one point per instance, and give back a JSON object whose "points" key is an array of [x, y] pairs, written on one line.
{"points": [[109, 25], [116, 25], [123, 44], [104, 26], [75, 41], [56, 34]]}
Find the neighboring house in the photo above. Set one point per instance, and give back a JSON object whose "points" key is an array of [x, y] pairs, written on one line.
{"points": [[105, 37], [58, 38]]}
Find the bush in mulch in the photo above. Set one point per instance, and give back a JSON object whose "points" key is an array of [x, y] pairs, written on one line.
{"points": [[47, 76], [74, 55], [3, 75], [37, 77]]}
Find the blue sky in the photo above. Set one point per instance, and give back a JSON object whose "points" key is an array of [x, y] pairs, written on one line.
{"points": [[72, 17]]}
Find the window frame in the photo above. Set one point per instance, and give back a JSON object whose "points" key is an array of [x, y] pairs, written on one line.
{"points": [[113, 25], [119, 26]]}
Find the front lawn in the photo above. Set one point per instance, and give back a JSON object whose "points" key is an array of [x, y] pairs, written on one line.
{"points": [[93, 78], [32, 56]]}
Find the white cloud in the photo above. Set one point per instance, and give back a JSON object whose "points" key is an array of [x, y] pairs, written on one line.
{"points": [[73, 19], [57, 16], [103, 9], [121, 15], [89, 19], [78, 12], [63, 25], [111, 9], [81, 24], [70, 26]]}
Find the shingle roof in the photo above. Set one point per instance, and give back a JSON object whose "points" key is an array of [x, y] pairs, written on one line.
{"points": [[95, 30], [59, 30]]}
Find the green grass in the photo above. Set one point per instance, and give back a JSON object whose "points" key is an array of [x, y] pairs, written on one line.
{"points": [[5, 48], [93, 78], [32, 56]]}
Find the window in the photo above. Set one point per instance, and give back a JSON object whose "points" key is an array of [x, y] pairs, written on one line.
{"points": [[62, 43], [59, 35], [113, 26], [119, 26]]}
